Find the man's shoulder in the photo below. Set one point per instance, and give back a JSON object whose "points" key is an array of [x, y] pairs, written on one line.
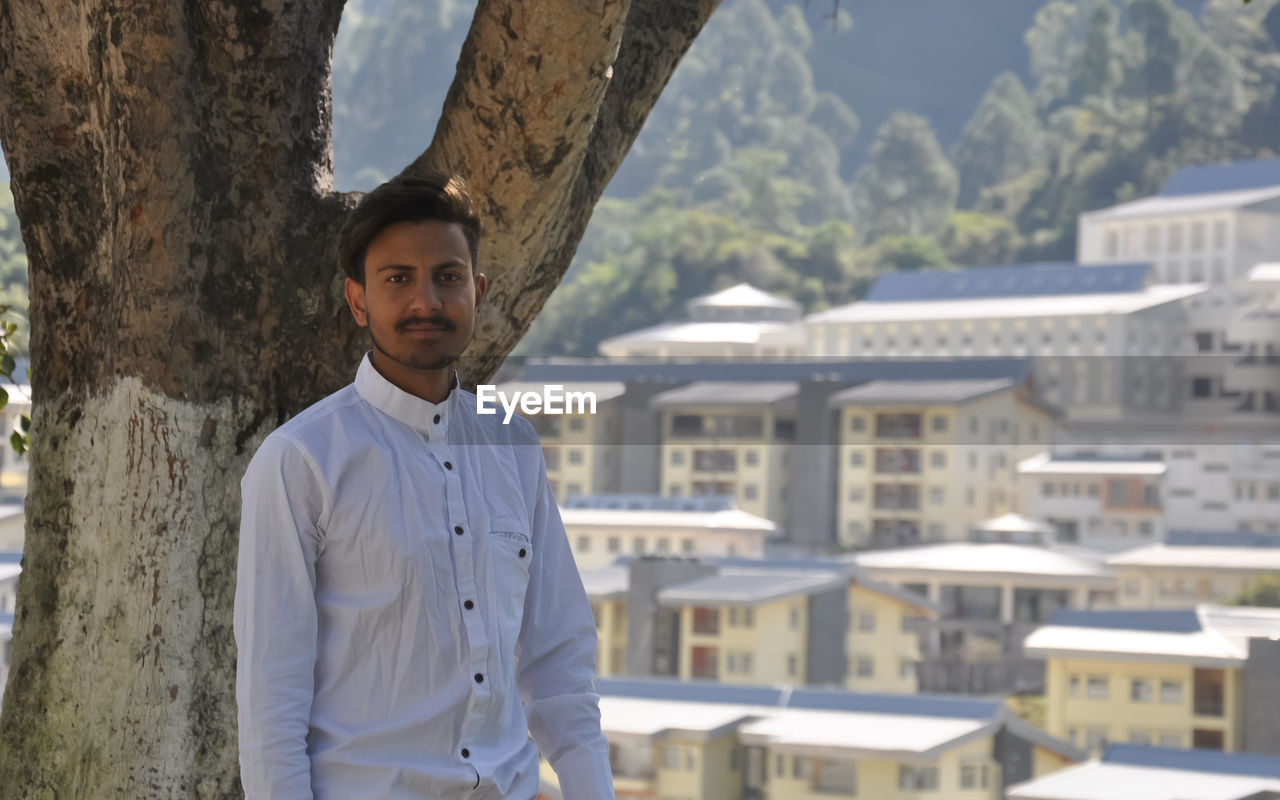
{"points": [[517, 430], [310, 428]]}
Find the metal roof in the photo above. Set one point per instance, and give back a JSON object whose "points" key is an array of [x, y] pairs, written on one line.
{"points": [[603, 390], [1173, 205], [1247, 559], [702, 332], [1186, 538], [606, 583], [1049, 464], [1200, 179], [749, 587], [1268, 272], [986, 560], [1028, 280], [726, 393], [1101, 781], [930, 393], [728, 520], [1197, 760], [1082, 305], [792, 369], [744, 295], [648, 502], [1157, 621]]}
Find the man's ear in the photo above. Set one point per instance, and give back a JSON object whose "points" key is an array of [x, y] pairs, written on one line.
{"points": [[355, 301], [482, 287]]}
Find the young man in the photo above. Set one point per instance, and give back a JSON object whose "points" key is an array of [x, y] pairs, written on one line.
{"points": [[407, 608]]}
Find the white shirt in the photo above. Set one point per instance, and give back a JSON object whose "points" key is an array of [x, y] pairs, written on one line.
{"points": [[407, 609]]}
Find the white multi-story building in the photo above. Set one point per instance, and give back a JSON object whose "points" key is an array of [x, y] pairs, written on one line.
{"points": [[1104, 341], [738, 322], [1104, 503]]}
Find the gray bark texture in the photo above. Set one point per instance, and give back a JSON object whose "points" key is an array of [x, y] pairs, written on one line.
{"points": [[171, 168]]}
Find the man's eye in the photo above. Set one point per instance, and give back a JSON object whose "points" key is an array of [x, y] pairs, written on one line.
{"points": [[398, 278], [450, 277]]}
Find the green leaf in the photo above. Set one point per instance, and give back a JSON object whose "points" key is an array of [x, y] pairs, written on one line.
{"points": [[4, 398], [25, 423], [18, 443], [7, 365]]}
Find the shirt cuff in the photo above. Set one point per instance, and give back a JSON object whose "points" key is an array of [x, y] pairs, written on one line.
{"points": [[584, 773]]}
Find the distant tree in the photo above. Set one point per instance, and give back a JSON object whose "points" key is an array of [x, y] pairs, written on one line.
{"points": [[1263, 591], [899, 253], [1162, 51], [907, 187], [1214, 91], [1098, 70], [1055, 42], [978, 240], [1002, 140]]}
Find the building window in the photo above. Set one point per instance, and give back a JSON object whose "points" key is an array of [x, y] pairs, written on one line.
{"points": [[975, 776], [637, 545], [670, 757], [857, 423], [795, 619], [1153, 239], [1118, 493], [664, 545], [867, 622], [748, 617], [856, 494], [1112, 244], [1146, 527], [937, 531], [576, 423], [1175, 238], [1139, 737], [1095, 738], [937, 495], [615, 544], [1132, 587], [575, 456], [938, 459], [856, 458], [1197, 236], [751, 458], [1220, 234], [677, 458], [792, 665], [866, 667], [1171, 692], [1048, 489], [1171, 739], [572, 489], [584, 544], [749, 491], [836, 777], [687, 545], [939, 423], [970, 497], [801, 768], [675, 490], [1098, 688], [1073, 686], [917, 778], [907, 669], [706, 620], [1140, 690]]}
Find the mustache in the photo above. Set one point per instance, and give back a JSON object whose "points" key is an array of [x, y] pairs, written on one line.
{"points": [[440, 321]]}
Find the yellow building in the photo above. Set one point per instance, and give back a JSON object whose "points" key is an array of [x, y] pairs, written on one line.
{"points": [[729, 439], [581, 446], [882, 647], [1194, 567], [1164, 678], [606, 589], [656, 525], [706, 741], [926, 460]]}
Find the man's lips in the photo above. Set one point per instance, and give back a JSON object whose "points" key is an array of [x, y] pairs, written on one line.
{"points": [[424, 327]]}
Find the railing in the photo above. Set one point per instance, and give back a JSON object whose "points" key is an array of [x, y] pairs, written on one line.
{"points": [[1208, 707]]}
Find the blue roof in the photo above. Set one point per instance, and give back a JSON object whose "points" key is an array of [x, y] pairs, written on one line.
{"points": [[1214, 761], [698, 691], [1236, 176], [1221, 539], [840, 372], [1026, 280], [1154, 621]]}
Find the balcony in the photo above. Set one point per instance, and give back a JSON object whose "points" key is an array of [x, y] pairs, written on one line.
{"points": [[894, 461], [1207, 699], [899, 426]]}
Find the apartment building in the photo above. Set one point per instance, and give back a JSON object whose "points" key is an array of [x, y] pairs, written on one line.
{"points": [[1105, 503], [740, 322], [603, 527], [1104, 341], [803, 621], [926, 460], [1152, 773], [1202, 678], [989, 596], [731, 439], [696, 740], [581, 447], [1208, 225], [1194, 567]]}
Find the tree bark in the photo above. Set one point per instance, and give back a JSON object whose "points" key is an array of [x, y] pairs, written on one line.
{"points": [[171, 169]]}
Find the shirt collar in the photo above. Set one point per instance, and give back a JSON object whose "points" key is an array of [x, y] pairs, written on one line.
{"points": [[431, 419]]}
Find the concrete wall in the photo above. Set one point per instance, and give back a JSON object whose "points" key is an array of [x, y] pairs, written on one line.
{"points": [[1262, 697], [828, 626], [811, 516], [647, 624], [640, 439]]}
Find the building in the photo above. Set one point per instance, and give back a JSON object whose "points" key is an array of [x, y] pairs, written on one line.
{"points": [[1126, 772], [695, 740], [1207, 678], [1194, 567], [1213, 225], [1073, 322], [581, 447], [603, 527], [926, 460], [989, 596], [1106, 503], [807, 621], [729, 439], [738, 322]]}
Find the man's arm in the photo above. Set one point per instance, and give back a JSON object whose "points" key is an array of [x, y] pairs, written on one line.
{"points": [[557, 658], [275, 619]]}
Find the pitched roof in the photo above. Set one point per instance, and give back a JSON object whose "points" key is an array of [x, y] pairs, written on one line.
{"points": [[1162, 206], [744, 295], [985, 559], [603, 390], [733, 519], [752, 587], [1154, 773], [704, 332], [1028, 280], [1265, 273], [835, 371], [606, 583], [725, 393], [1049, 464], [1229, 557], [932, 393], [1233, 176], [1190, 538]]}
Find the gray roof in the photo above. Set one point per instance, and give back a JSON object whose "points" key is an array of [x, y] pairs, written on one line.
{"points": [[931, 393], [723, 393], [564, 369], [744, 295], [1026, 280], [749, 587]]}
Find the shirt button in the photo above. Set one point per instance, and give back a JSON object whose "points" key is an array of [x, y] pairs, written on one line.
{"points": [[479, 678], [457, 529], [436, 419], [466, 753], [522, 552], [468, 605], [448, 465]]}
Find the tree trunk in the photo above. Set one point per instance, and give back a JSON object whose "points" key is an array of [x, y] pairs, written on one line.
{"points": [[171, 169]]}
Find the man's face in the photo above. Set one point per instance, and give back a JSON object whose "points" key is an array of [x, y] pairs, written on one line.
{"points": [[420, 294]]}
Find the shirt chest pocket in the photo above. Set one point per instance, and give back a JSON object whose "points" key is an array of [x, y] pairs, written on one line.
{"points": [[512, 553]]}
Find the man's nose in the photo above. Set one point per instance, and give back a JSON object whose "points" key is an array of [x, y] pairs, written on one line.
{"points": [[427, 297]]}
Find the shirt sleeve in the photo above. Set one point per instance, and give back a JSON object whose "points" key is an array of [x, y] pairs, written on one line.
{"points": [[557, 659], [275, 619]]}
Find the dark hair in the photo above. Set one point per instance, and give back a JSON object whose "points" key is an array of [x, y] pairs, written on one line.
{"points": [[433, 196]]}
